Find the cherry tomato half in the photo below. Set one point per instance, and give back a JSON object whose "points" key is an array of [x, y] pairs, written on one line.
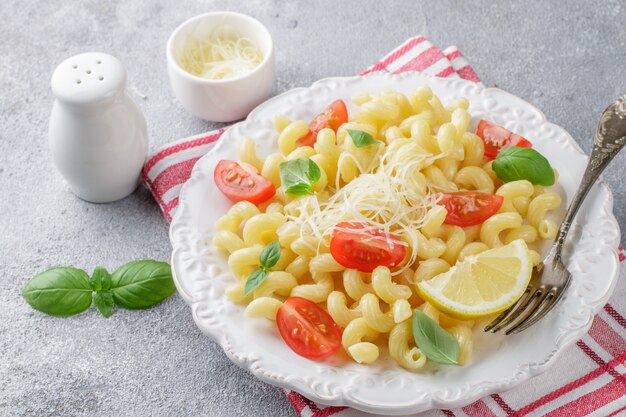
{"points": [[469, 208], [497, 138], [334, 116], [241, 181], [355, 245], [307, 329]]}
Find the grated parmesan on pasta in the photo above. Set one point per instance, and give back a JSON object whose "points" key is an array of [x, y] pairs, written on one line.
{"points": [[389, 196]]}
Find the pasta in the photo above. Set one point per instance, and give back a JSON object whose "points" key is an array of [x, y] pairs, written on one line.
{"points": [[266, 307], [290, 135], [417, 150], [537, 210], [433, 220], [338, 309], [261, 229], [277, 283], [243, 261], [430, 268], [357, 338], [514, 191], [455, 240], [474, 150], [238, 214], [318, 291], [474, 178], [355, 285], [493, 226], [228, 241], [401, 349], [373, 315], [386, 289]]}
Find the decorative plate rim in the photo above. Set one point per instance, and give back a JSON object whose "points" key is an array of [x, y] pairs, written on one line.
{"points": [[338, 396]]}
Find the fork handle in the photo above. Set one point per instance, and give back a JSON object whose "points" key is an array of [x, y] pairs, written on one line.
{"points": [[607, 144]]}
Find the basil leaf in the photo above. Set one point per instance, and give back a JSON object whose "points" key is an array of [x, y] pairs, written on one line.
{"points": [[437, 344], [59, 292], [100, 279], [299, 175], [142, 284], [517, 163], [360, 138], [270, 255], [104, 302], [255, 279]]}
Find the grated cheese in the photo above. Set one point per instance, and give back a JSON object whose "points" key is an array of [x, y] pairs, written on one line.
{"points": [[388, 195], [221, 55]]}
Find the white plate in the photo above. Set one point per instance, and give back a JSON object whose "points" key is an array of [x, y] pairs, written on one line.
{"points": [[201, 273]]}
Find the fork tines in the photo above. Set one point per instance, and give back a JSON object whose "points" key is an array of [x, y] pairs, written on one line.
{"points": [[534, 304]]}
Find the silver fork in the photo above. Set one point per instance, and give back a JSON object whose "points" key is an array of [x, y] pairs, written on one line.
{"points": [[551, 278]]}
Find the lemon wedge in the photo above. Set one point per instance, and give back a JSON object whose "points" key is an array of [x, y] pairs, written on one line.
{"points": [[483, 284]]}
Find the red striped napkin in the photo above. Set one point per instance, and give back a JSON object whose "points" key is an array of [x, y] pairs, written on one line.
{"points": [[588, 379]]}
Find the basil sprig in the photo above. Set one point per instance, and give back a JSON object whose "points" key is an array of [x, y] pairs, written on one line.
{"points": [[67, 291], [269, 257], [360, 138], [437, 344], [517, 163], [298, 176]]}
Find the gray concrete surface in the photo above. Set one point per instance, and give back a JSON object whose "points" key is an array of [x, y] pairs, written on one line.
{"points": [[569, 61]]}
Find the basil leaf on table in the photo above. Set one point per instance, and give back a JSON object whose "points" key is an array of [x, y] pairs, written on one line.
{"points": [[298, 176], [360, 138], [59, 292], [104, 303], [437, 344], [256, 278], [142, 284], [270, 255], [517, 163]]}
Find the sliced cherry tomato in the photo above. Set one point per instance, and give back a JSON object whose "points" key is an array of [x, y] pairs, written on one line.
{"points": [[497, 138], [334, 116], [241, 181], [307, 329], [469, 208], [355, 245]]}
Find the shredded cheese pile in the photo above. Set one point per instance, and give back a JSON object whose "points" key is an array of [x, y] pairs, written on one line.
{"points": [[393, 197], [221, 55]]}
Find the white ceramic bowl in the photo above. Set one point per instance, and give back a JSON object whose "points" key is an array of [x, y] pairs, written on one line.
{"points": [[221, 100], [500, 362]]}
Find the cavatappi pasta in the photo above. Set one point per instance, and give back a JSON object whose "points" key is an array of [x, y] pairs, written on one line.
{"points": [[423, 149]]}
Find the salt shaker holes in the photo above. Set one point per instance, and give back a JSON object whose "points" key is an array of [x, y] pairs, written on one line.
{"points": [[97, 135]]}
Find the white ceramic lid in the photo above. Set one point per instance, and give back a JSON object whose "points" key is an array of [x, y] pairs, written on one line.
{"points": [[88, 78]]}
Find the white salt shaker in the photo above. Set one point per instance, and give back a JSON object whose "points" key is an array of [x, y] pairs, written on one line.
{"points": [[97, 135]]}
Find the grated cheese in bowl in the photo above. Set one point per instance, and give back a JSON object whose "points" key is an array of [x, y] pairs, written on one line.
{"points": [[221, 55]]}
